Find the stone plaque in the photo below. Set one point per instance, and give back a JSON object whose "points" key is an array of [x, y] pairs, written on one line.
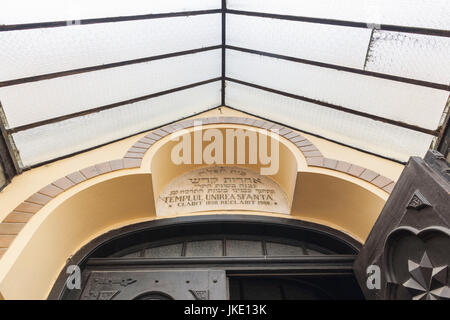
{"points": [[221, 188]]}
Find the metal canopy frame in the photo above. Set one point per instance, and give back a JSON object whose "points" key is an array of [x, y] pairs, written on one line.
{"points": [[8, 157], [8, 162]]}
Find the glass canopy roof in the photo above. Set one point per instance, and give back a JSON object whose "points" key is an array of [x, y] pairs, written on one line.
{"points": [[374, 75]]}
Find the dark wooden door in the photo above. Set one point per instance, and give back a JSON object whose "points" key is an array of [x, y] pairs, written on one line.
{"points": [[209, 257], [294, 287], [156, 285]]}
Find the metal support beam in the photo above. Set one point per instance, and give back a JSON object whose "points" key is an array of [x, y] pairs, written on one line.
{"points": [[337, 107], [68, 23], [224, 27], [104, 66], [354, 24], [109, 106], [417, 82]]}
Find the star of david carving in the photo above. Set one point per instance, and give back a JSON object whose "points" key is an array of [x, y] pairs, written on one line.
{"points": [[426, 281], [418, 201]]}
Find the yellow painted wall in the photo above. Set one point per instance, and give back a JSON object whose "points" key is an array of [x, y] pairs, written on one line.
{"points": [[123, 197], [74, 221], [329, 200]]}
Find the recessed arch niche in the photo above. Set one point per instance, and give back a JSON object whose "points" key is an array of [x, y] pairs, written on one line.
{"points": [[164, 170]]}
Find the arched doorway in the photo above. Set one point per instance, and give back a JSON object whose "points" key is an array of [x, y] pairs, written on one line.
{"points": [[125, 191], [216, 257]]}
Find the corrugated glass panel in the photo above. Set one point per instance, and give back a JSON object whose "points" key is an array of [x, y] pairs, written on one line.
{"points": [[244, 248], [344, 46], [410, 55], [282, 249], [136, 254], [313, 249], [314, 252], [62, 138], [366, 134], [417, 13], [32, 102], [399, 101], [34, 52], [204, 248], [169, 251], [25, 11]]}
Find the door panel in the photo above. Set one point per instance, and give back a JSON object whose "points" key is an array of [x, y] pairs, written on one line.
{"points": [[294, 287], [156, 285]]}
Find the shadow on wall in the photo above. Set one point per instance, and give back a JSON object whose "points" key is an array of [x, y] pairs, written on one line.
{"points": [[346, 206], [86, 214]]}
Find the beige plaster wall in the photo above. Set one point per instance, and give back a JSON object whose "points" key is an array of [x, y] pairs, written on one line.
{"points": [[64, 227], [119, 198]]}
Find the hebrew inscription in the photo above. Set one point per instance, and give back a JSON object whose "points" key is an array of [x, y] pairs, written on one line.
{"points": [[221, 188]]}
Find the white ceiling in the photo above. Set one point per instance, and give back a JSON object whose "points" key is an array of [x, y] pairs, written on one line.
{"points": [[29, 52]]}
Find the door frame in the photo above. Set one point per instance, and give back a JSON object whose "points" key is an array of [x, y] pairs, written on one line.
{"points": [[317, 232]]}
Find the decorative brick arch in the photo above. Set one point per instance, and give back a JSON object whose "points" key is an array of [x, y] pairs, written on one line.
{"points": [[16, 220], [313, 156]]}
